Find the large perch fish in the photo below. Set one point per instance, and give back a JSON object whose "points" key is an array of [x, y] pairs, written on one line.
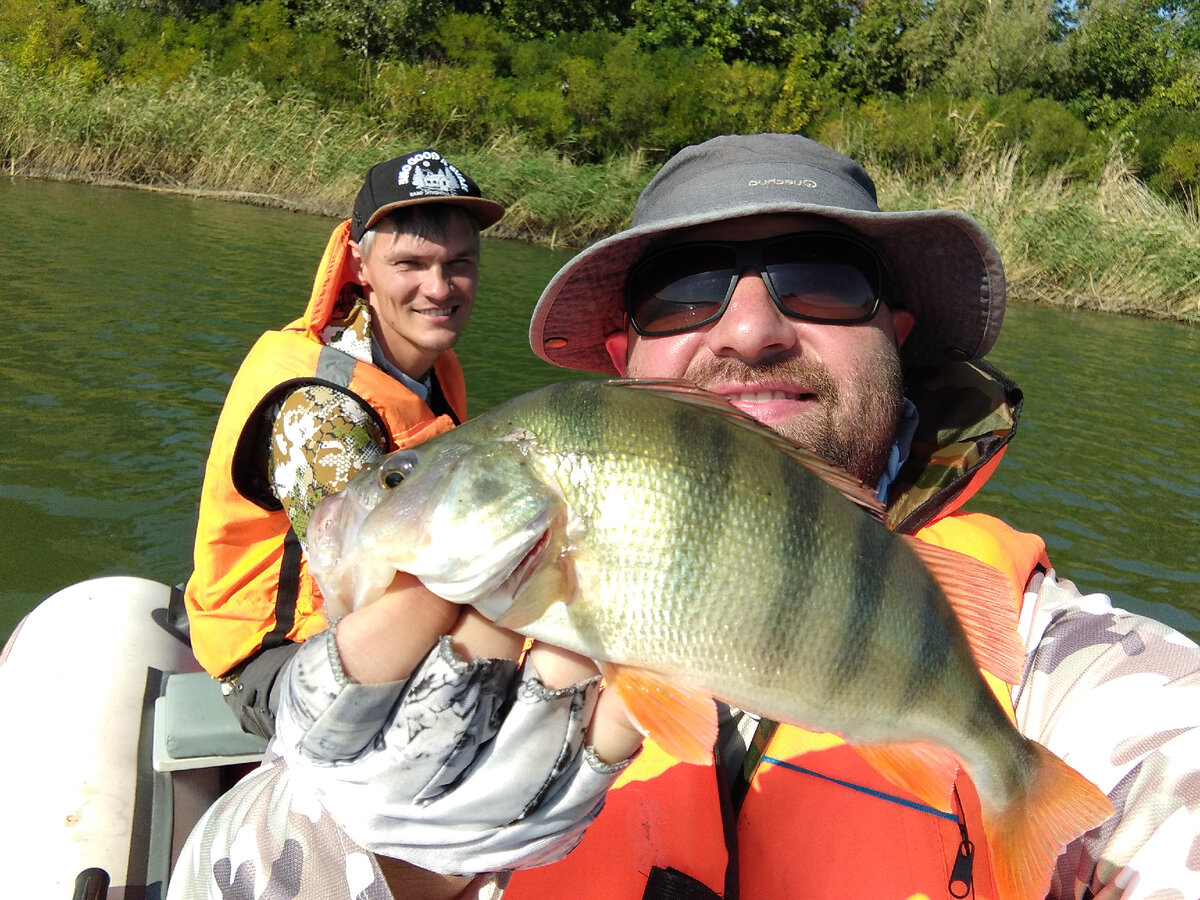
{"points": [[695, 554]]}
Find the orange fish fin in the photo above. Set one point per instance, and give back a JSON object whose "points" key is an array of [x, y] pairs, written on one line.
{"points": [[680, 720], [983, 602], [1028, 836], [926, 771], [545, 587], [845, 483]]}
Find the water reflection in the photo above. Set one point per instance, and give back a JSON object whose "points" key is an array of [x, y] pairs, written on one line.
{"points": [[1105, 463], [128, 313]]}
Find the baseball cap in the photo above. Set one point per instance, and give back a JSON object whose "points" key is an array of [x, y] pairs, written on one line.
{"points": [[945, 268], [421, 177]]}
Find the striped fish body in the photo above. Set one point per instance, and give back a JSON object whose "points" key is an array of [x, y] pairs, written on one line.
{"points": [[694, 554], [700, 550]]}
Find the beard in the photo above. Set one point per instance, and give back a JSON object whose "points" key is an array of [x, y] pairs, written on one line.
{"points": [[852, 426]]}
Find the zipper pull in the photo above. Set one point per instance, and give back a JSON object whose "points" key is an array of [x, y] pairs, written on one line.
{"points": [[961, 875]]}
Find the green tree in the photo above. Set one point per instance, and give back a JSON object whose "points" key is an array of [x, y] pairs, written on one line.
{"points": [[1013, 46], [1122, 50], [47, 37], [371, 28], [544, 19], [933, 37], [709, 25], [799, 92]]}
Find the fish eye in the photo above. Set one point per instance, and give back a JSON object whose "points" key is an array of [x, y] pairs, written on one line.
{"points": [[396, 468]]}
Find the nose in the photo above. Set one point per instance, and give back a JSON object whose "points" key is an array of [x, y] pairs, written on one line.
{"points": [[752, 327], [436, 283]]}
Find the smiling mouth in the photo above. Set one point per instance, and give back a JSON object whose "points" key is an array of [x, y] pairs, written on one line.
{"points": [[437, 312], [766, 396]]}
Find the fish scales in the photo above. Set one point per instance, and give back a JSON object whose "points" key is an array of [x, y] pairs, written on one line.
{"points": [[646, 528], [697, 548], [719, 541]]}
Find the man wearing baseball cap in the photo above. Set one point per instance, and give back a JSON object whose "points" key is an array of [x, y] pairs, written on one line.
{"points": [[368, 368]]}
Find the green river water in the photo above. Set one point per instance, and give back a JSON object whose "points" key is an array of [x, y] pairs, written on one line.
{"points": [[128, 312]]}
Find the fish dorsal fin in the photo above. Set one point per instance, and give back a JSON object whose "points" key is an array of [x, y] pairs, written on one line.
{"points": [[982, 599], [680, 720], [839, 479], [927, 771]]}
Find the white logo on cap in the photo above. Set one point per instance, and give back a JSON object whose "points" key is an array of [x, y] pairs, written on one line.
{"points": [[429, 174], [799, 182]]}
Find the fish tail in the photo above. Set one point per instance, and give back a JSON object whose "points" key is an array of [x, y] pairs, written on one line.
{"points": [[1026, 837]]}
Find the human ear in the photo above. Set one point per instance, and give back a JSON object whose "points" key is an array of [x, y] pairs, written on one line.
{"points": [[617, 345], [902, 325], [356, 262]]}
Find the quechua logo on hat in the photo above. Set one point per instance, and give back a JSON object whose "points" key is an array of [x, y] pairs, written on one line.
{"points": [[427, 174]]}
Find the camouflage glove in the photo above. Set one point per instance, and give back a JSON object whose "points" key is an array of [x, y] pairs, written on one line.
{"points": [[463, 768]]}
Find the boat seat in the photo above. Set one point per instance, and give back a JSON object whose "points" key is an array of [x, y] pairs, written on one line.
{"points": [[195, 728]]}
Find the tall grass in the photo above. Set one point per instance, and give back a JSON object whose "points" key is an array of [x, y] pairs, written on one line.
{"points": [[1108, 245], [1111, 244]]}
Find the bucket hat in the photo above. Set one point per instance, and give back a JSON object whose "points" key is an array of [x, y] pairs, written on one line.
{"points": [[945, 268], [421, 177]]}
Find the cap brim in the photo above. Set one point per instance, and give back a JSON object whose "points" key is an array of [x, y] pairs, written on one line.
{"points": [[945, 268], [485, 212]]}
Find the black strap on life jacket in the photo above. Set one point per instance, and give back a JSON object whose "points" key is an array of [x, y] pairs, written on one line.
{"points": [[289, 592], [671, 884], [438, 404]]}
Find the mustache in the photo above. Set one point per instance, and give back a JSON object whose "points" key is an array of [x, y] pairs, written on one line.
{"points": [[807, 374]]}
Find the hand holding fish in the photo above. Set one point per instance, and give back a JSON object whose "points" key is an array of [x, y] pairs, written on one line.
{"points": [[696, 555], [385, 641], [453, 758]]}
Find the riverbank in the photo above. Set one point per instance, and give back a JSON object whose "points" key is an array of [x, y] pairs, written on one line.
{"points": [[1109, 245]]}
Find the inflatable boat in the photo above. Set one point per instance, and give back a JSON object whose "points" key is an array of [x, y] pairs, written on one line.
{"points": [[115, 743]]}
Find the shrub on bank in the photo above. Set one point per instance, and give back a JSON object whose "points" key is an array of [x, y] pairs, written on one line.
{"points": [[1109, 244]]}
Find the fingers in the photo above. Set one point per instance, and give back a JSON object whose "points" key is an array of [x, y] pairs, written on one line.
{"points": [[385, 640], [475, 637], [611, 734], [558, 668]]}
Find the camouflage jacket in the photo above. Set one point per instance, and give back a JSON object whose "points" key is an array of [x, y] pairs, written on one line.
{"points": [[1116, 695]]}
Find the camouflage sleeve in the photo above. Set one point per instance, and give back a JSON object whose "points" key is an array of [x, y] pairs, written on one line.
{"points": [[1117, 696], [320, 438]]}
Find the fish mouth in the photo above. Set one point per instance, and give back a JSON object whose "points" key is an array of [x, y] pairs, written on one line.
{"points": [[530, 563], [500, 601]]}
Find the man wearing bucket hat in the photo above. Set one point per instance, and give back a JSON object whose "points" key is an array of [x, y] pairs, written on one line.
{"points": [[761, 268], [367, 369]]}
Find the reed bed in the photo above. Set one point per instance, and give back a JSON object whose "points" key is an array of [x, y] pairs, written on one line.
{"points": [[1110, 245]]}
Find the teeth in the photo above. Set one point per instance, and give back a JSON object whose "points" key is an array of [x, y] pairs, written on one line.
{"points": [[761, 397]]}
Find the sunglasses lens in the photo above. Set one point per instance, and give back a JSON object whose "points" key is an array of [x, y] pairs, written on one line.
{"points": [[680, 288], [814, 276], [825, 278]]}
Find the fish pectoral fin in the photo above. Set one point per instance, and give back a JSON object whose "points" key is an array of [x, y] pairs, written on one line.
{"points": [[546, 586], [926, 771], [681, 720], [983, 601], [1027, 836]]}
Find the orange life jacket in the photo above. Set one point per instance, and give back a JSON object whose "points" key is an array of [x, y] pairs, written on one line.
{"points": [[817, 820], [250, 586]]}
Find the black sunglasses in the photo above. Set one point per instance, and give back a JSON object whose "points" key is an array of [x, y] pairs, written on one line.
{"points": [[812, 275]]}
